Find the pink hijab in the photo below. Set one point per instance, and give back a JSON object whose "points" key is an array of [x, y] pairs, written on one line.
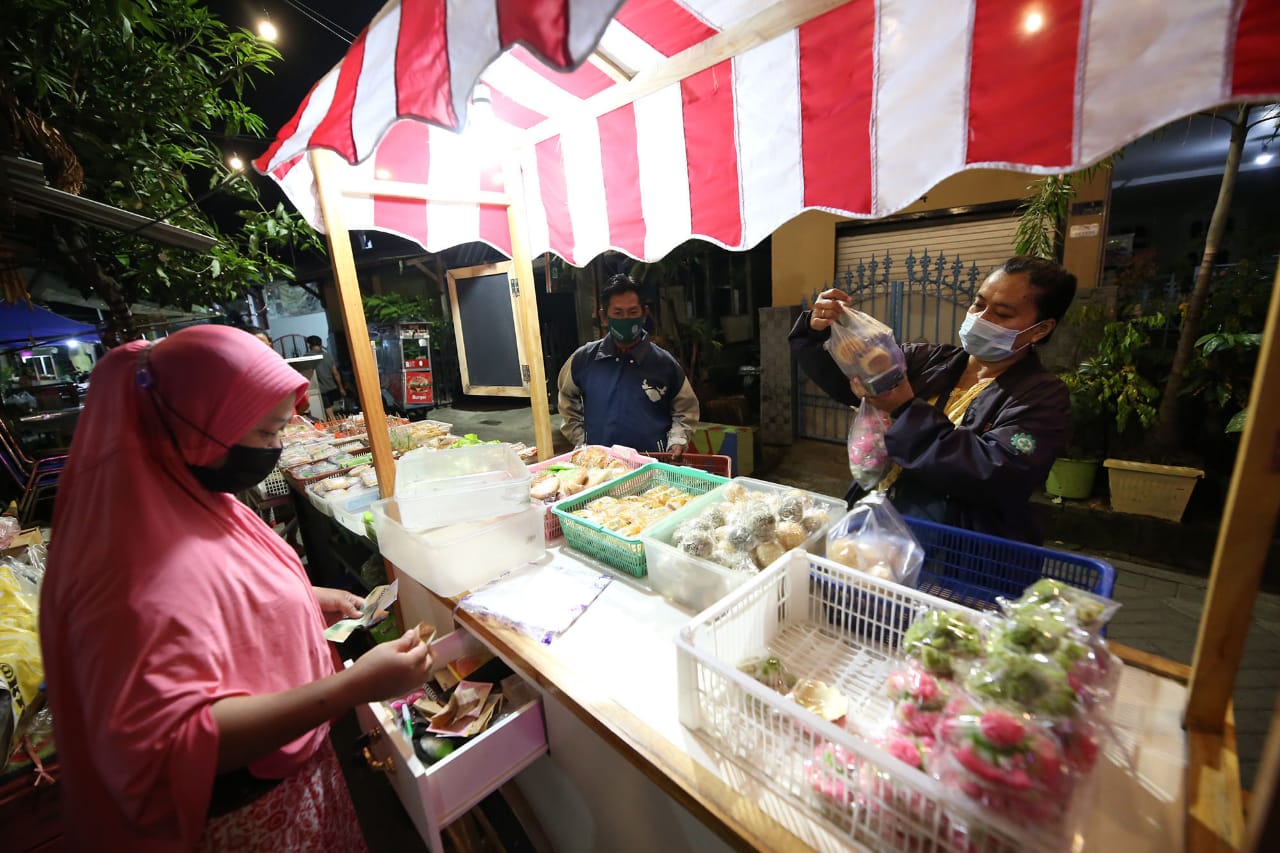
{"points": [[162, 597]]}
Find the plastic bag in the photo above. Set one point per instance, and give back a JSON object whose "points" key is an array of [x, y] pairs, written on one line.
{"points": [[1010, 764], [1050, 596], [873, 538], [9, 529], [864, 349], [21, 666], [868, 457], [943, 642]]}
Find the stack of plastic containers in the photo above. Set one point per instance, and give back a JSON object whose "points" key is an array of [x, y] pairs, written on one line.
{"points": [[459, 518]]}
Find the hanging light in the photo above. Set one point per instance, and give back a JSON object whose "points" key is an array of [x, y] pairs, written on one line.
{"points": [[267, 31], [1034, 22], [235, 163]]}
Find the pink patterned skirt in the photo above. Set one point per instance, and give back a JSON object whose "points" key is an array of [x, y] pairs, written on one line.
{"points": [[309, 811]]}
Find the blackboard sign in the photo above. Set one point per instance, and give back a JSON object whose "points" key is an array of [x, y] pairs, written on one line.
{"points": [[485, 321]]}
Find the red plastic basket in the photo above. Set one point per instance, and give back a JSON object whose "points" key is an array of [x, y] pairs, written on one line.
{"points": [[712, 463]]}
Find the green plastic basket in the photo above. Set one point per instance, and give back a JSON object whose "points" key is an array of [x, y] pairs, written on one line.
{"points": [[612, 549]]}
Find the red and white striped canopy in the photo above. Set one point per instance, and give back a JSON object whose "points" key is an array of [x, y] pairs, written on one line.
{"points": [[723, 119]]}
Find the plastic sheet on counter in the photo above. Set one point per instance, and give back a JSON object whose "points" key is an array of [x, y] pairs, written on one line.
{"points": [[543, 598]]}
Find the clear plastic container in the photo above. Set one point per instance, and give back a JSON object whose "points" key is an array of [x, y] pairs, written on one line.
{"points": [[698, 583], [435, 488], [459, 557]]}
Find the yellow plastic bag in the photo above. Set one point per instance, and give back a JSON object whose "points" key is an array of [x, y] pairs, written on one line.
{"points": [[21, 667]]}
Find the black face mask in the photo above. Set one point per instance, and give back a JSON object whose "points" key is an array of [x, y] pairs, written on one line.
{"points": [[245, 468]]}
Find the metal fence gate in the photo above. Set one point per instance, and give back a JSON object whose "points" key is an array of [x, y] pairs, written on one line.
{"points": [[924, 300]]}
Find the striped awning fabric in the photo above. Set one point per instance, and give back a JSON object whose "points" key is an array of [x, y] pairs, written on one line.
{"points": [[723, 119]]}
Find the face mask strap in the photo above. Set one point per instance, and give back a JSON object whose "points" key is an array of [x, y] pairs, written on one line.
{"points": [[145, 379]]}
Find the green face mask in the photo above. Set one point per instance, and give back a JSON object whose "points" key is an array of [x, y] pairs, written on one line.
{"points": [[626, 331]]}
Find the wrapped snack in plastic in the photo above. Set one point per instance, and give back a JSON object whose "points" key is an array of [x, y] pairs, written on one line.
{"points": [[769, 671], [868, 457], [832, 776], [1031, 683], [1090, 611], [873, 538], [1006, 762], [864, 349], [942, 642], [919, 701]]}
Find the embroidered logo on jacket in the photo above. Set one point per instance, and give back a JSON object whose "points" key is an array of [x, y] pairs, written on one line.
{"points": [[653, 392], [1023, 443]]}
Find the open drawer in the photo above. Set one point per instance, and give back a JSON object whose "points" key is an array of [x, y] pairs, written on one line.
{"points": [[437, 795]]}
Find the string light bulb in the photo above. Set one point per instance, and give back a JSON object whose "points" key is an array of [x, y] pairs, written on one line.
{"points": [[267, 31]]}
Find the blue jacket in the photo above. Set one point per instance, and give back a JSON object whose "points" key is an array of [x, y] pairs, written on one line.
{"points": [[640, 398], [979, 475]]}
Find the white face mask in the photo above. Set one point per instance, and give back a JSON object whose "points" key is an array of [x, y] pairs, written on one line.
{"points": [[987, 341]]}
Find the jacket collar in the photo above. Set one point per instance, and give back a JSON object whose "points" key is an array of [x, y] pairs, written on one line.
{"points": [[608, 349]]}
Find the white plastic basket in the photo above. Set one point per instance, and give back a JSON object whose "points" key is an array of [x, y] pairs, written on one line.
{"points": [[843, 627], [274, 486]]}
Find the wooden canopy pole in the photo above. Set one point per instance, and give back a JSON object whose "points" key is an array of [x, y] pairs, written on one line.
{"points": [[1248, 522], [329, 193], [1215, 819], [530, 326]]}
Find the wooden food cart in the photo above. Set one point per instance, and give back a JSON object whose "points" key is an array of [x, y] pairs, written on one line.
{"points": [[725, 120]]}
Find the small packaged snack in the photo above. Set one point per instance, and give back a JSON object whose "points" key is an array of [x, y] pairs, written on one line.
{"points": [[873, 538], [864, 349], [942, 642], [770, 671], [1031, 683], [1048, 595], [832, 775], [1006, 762], [868, 457], [919, 702]]}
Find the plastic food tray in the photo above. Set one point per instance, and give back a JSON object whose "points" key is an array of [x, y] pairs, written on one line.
{"points": [[551, 524], [973, 568], [698, 583], [435, 488], [849, 641], [360, 501], [623, 553], [454, 559]]}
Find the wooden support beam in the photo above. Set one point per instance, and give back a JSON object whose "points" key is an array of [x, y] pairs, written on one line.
{"points": [[1263, 821], [760, 28], [1147, 662], [530, 327], [327, 167], [1215, 810], [1248, 523], [612, 70], [405, 189]]}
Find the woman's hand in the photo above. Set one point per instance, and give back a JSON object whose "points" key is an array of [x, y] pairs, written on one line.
{"points": [[338, 604], [827, 308], [890, 401], [391, 669]]}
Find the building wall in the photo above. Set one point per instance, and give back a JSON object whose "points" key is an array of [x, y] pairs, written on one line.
{"points": [[804, 248]]}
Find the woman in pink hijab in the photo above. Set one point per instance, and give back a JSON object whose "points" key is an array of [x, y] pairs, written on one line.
{"points": [[189, 679]]}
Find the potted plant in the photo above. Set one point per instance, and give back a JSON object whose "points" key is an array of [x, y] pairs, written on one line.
{"points": [[1129, 398], [1075, 344]]}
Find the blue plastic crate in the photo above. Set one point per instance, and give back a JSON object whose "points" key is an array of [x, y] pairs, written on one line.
{"points": [[973, 568]]}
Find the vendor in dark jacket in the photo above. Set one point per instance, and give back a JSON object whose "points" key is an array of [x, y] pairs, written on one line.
{"points": [[623, 388], [975, 429]]}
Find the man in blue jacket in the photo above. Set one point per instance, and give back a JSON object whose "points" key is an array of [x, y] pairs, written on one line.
{"points": [[623, 389]]}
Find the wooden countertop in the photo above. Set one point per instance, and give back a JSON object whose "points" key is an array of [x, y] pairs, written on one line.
{"points": [[615, 669]]}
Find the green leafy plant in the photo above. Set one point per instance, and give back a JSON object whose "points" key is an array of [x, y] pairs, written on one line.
{"points": [[1110, 388], [395, 308], [139, 104]]}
